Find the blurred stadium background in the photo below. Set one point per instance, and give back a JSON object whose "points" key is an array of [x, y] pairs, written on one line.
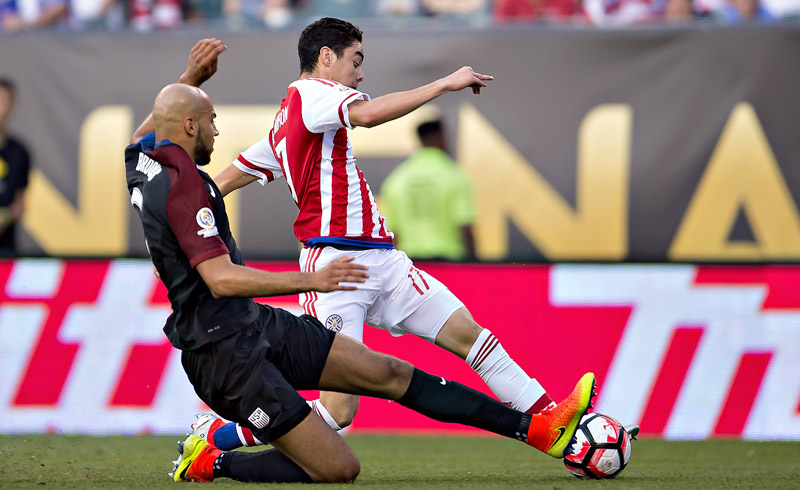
{"points": [[637, 183]]}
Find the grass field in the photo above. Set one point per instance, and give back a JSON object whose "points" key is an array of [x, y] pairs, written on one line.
{"points": [[404, 462]]}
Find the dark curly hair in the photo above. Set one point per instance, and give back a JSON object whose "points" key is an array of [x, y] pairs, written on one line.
{"points": [[334, 33]]}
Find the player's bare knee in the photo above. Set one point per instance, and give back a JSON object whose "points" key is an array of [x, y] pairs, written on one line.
{"points": [[344, 472], [395, 375], [459, 333], [399, 368]]}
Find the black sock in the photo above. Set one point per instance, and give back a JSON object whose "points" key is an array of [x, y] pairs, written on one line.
{"points": [[449, 401], [263, 466]]}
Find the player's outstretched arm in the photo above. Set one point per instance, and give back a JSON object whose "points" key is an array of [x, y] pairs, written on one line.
{"points": [[231, 179], [391, 106], [226, 279], [201, 66]]}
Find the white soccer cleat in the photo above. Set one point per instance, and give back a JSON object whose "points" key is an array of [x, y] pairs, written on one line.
{"points": [[205, 426]]}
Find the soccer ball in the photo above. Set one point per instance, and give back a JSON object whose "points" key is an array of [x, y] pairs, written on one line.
{"points": [[601, 449]]}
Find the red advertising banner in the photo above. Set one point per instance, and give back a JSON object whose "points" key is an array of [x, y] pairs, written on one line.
{"points": [[687, 352]]}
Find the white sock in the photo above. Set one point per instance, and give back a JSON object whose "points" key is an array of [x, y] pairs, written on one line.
{"points": [[319, 408], [502, 375]]}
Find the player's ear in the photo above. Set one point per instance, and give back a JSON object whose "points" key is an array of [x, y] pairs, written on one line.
{"points": [[326, 56], [189, 126]]}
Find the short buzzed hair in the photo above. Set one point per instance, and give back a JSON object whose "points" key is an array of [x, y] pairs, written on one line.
{"points": [[428, 129], [334, 33]]}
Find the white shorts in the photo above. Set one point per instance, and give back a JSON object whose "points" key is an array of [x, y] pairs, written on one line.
{"points": [[397, 297]]}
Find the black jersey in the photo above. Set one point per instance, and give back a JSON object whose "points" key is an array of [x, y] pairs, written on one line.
{"points": [[184, 221]]}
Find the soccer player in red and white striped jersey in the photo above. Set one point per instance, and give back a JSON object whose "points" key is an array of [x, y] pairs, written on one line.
{"points": [[309, 146]]}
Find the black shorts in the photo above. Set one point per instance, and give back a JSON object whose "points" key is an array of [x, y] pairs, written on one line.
{"points": [[252, 377]]}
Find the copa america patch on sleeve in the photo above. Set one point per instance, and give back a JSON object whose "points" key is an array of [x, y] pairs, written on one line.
{"points": [[259, 418]]}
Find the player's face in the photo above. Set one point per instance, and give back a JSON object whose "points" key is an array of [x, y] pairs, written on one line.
{"points": [[347, 68], [206, 132]]}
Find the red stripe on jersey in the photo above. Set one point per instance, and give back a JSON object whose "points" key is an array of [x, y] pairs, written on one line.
{"points": [[383, 232], [366, 206], [339, 186], [341, 109], [247, 164], [303, 165]]}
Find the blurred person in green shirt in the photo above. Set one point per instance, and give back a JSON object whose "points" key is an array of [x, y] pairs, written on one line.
{"points": [[427, 201]]}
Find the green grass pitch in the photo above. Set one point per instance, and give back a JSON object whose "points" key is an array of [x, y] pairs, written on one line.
{"points": [[393, 462]]}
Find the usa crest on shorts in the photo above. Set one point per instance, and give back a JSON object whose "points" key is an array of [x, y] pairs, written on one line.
{"points": [[334, 323]]}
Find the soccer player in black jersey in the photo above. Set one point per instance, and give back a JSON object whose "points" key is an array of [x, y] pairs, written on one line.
{"points": [[247, 360]]}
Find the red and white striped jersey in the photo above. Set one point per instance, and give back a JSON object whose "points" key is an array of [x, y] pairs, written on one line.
{"points": [[309, 146]]}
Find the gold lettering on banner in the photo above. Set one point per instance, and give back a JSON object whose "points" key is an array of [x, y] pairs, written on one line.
{"points": [[742, 174], [97, 224], [507, 187]]}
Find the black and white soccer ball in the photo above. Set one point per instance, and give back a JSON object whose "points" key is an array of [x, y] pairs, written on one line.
{"points": [[602, 447]]}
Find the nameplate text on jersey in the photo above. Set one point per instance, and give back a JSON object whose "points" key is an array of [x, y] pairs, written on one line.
{"points": [[148, 166]]}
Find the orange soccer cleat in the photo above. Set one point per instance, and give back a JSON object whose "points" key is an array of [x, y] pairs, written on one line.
{"points": [[553, 429]]}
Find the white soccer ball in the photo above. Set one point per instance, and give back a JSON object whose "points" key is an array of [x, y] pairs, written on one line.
{"points": [[602, 448]]}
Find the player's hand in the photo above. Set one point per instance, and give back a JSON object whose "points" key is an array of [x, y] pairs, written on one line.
{"points": [[342, 270], [466, 77], [202, 61]]}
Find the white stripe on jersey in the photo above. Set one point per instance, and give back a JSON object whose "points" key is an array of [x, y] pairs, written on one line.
{"points": [[326, 183], [355, 215], [377, 219]]}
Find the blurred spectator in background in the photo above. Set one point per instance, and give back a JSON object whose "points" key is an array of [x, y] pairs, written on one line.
{"points": [[96, 14], [679, 11], [397, 8], [539, 11], [146, 15], [279, 13], [615, 13], [204, 13], [427, 201], [14, 169], [453, 7], [739, 11], [20, 15], [785, 10], [274, 14], [470, 11]]}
